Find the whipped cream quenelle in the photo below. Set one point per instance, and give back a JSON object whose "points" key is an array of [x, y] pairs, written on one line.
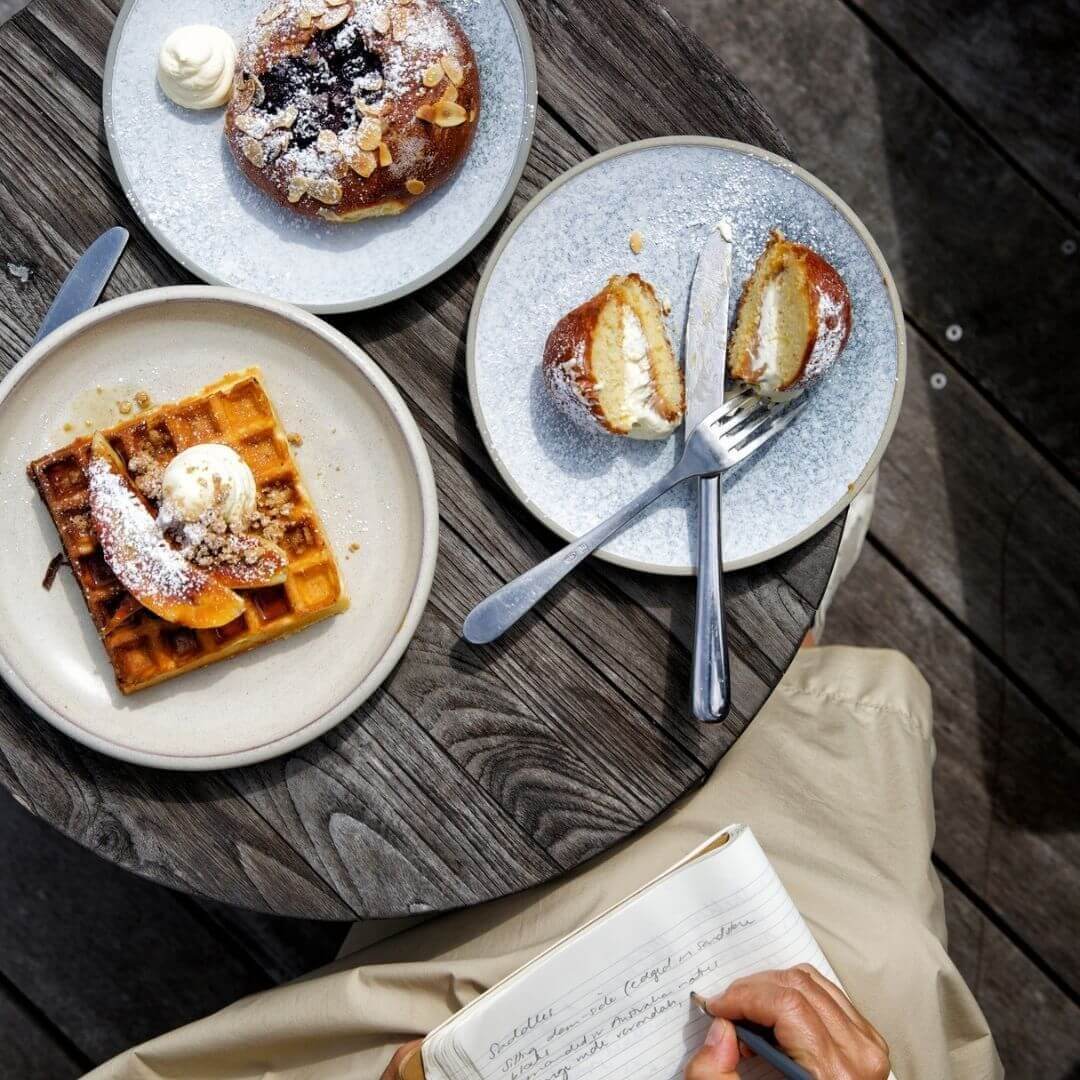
{"points": [[196, 66], [206, 477]]}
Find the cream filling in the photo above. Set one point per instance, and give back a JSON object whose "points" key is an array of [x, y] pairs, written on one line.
{"points": [[196, 66], [643, 418], [767, 349]]}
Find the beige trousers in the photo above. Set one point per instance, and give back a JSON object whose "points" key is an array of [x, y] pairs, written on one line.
{"points": [[834, 779]]}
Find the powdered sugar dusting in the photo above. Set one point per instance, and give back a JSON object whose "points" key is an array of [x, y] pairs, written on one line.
{"points": [[182, 180], [566, 249], [132, 543], [830, 338]]}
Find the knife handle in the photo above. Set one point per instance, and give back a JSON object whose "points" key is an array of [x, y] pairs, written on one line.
{"points": [[711, 680]]}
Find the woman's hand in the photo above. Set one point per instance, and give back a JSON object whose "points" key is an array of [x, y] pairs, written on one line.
{"points": [[815, 1025], [393, 1070]]}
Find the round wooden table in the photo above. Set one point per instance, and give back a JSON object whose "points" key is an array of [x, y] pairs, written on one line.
{"points": [[473, 772]]}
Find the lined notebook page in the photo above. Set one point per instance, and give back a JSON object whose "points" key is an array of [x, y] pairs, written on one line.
{"points": [[612, 1003]]}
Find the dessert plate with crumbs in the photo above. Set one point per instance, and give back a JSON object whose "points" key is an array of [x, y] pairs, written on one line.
{"points": [[176, 168], [222, 528], [646, 210]]}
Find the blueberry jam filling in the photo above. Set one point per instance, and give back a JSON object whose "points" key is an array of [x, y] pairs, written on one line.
{"points": [[323, 84]]}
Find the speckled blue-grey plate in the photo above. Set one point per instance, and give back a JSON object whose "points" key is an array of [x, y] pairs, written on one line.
{"points": [[178, 174], [560, 251]]}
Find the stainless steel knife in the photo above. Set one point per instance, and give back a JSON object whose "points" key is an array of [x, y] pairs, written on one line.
{"points": [[86, 282], [706, 367]]}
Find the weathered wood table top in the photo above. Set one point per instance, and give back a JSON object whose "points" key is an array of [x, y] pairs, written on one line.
{"points": [[472, 772]]}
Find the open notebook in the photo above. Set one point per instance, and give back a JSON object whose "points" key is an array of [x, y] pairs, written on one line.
{"points": [[611, 1001]]}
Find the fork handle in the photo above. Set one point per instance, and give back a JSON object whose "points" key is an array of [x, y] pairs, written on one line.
{"points": [[711, 680], [491, 618]]}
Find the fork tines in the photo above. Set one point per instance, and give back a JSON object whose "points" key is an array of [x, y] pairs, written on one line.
{"points": [[745, 423]]}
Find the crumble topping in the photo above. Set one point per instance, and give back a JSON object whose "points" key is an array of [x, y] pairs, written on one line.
{"points": [[210, 541], [272, 512], [147, 474]]}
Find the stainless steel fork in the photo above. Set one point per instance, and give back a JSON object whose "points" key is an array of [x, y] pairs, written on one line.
{"points": [[728, 436]]}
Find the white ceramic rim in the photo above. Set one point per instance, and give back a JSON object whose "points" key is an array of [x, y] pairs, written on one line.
{"points": [[688, 569], [429, 507], [528, 130]]}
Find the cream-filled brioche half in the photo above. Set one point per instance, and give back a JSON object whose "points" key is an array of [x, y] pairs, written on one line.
{"points": [[609, 363], [794, 317]]}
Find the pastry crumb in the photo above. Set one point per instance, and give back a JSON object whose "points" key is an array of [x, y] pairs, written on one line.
{"points": [[354, 547], [295, 438], [124, 406], [142, 399], [69, 427], [637, 242]]}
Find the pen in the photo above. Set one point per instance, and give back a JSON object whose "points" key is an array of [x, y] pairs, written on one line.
{"points": [[759, 1039]]}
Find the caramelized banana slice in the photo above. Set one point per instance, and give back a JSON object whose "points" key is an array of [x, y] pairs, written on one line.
{"points": [[157, 575]]}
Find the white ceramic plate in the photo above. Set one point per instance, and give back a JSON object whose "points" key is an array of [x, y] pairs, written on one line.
{"points": [[178, 174], [563, 247], [172, 342]]}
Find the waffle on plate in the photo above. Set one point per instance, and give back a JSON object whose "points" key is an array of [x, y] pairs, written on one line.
{"points": [[144, 648]]}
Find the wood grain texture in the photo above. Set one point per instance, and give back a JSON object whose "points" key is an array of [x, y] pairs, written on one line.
{"points": [[473, 773], [31, 1050], [980, 518], [82, 953], [1011, 993], [971, 242], [1011, 68]]}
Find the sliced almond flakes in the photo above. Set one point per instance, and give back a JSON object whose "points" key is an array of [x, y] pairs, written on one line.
{"points": [[443, 114], [415, 187], [275, 11], [298, 187], [332, 18], [253, 151], [385, 157], [370, 134], [362, 163], [399, 21], [327, 191], [454, 71], [285, 119], [250, 124]]}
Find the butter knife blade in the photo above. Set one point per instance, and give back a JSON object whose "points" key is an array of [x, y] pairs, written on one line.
{"points": [[86, 282], [707, 328]]}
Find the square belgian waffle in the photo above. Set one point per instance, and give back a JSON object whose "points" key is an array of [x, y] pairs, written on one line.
{"points": [[143, 648]]}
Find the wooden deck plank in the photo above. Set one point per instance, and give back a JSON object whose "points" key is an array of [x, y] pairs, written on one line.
{"points": [[1011, 67], [111, 960], [1010, 992], [968, 507], [971, 243], [28, 1050], [1006, 778]]}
